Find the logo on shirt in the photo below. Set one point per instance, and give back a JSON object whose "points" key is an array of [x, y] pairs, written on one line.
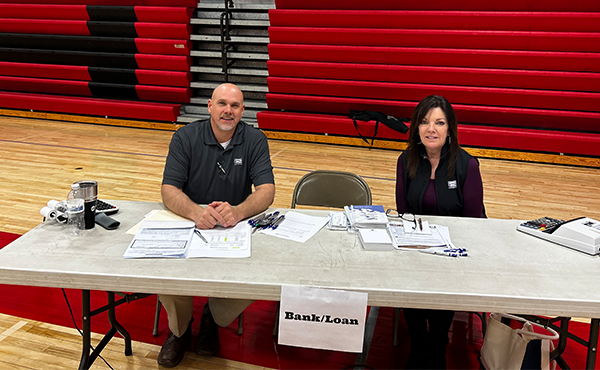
{"points": [[452, 184], [237, 161]]}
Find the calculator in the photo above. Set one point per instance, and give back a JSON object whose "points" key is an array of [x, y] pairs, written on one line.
{"points": [[106, 208], [543, 224]]}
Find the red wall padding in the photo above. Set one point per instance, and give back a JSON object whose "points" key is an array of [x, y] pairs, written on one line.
{"points": [[444, 20], [466, 5], [507, 138], [514, 78], [91, 106]]}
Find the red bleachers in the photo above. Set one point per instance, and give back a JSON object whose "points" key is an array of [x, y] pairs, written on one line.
{"points": [[77, 27], [459, 39], [91, 106], [496, 116], [61, 72], [469, 135], [46, 11], [174, 3], [487, 77], [81, 73], [81, 88], [445, 20], [115, 49], [157, 14], [463, 5], [507, 67], [502, 59], [487, 96]]}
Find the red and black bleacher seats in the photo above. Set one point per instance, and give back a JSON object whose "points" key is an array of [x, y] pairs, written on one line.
{"points": [[512, 69], [54, 52]]}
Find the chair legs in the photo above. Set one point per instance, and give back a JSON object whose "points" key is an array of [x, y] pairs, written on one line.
{"points": [[396, 342], [276, 326], [240, 330], [156, 317]]}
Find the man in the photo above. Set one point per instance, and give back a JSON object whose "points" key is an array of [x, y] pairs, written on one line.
{"points": [[213, 162]]}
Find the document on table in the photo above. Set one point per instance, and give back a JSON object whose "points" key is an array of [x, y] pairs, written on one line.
{"points": [[157, 215], [297, 227], [233, 242], [401, 239], [170, 239]]}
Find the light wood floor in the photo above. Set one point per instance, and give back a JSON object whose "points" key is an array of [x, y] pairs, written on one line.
{"points": [[40, 159]]}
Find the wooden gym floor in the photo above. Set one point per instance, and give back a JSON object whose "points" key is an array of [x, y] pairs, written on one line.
{"points": [[41, 158]]}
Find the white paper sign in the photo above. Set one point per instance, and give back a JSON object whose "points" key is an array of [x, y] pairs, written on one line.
{"points": [[322, 318]]}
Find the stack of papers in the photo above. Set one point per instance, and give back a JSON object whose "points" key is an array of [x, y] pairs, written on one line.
{"points": [[297, 227], [375, 240], [161, 239], [177, 239], [405, 238], [371, 217]]}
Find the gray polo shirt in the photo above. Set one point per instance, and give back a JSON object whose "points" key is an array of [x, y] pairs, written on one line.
{"points": [[206, 172]]}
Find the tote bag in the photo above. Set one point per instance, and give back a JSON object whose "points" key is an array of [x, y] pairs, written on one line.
{"points": [[504, 348]]}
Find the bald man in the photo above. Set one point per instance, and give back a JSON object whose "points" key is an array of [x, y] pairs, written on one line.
{"points": [[214, 162]]}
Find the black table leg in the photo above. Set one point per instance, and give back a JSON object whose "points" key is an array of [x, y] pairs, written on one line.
{"points": [[116, 325], [85, 363], [592, 344]]}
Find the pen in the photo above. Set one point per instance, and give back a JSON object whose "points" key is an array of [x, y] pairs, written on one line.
{"points": [[420, 225], [221, 167], [276, 223], [253, 222], [440, 252], [200, 235]]}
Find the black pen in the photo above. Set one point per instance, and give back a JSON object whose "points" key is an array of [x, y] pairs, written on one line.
{"points": [[420, 225], [200, 235]]}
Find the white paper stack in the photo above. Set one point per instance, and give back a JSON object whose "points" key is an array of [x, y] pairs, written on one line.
{"points": [[375, 240], [366, 217]]}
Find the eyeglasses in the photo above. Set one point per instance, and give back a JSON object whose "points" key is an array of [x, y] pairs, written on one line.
{"points": [[404, 216]]}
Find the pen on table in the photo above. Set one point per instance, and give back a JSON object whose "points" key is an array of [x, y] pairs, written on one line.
{"points": [[420, 224], [440, 252], [253, 222], [221, 167], [200, 235], [276, 223]]}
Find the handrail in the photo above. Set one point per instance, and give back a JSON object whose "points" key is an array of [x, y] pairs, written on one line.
{"points": [[225, 37]]}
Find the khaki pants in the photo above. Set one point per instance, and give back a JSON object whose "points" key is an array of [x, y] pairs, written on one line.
{"points": [[180, 310]]}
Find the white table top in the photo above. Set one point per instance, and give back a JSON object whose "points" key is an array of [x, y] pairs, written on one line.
{"points": [[506, 271]]}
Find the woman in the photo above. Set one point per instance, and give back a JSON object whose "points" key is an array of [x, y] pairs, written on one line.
{"points": [[435, 177]]}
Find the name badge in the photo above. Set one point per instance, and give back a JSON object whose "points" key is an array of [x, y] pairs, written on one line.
{"points": [[452, 184]]}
